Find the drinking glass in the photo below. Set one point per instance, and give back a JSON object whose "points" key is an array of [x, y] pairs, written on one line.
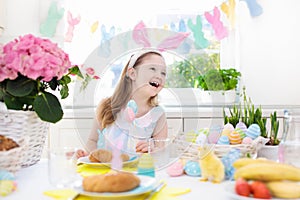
{"points": [[160, 150], [62, 166], [289, 147]]}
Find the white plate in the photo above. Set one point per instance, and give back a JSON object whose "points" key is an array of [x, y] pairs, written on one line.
{"points": [[85, 160], [147, 184], [229, 188]]}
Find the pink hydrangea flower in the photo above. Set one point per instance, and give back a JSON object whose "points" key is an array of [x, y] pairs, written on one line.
{"points": [[34, 58]]}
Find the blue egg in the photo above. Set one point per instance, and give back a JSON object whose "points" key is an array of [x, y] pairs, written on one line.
{"points": [[253, 131], [223, 140], [6, 175], [192, 168]]}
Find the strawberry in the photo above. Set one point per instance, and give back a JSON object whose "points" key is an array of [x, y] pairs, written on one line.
{"points": [[242, 187], [260, 190]]}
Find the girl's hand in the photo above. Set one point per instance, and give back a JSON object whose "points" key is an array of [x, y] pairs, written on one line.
{"points": [[80, 153], [141, 147]]}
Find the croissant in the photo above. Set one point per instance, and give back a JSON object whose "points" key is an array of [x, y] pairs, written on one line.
{"points": [[104, 156]]}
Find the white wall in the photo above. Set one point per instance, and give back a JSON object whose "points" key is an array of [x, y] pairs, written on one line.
{"points": [[269, 52]]}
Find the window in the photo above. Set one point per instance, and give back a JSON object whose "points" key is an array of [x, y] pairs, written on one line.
{"points": [[113, 20]]}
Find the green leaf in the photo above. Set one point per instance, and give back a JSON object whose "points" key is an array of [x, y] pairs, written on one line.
{"points": [[48, 107], [13, 103], [64, 92], [20, 87], [53, 84], [76, 71]]}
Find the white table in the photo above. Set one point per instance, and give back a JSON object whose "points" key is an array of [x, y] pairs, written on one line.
{"points": [[33, 181]]}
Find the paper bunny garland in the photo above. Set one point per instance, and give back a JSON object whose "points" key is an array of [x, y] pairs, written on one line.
{"points": [[48, 27]]}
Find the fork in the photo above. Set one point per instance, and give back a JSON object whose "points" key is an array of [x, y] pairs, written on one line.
{"points": [[156, 189]]}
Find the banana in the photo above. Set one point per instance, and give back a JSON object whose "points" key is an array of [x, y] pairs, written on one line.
{"points": [[268, 172], [247, 161], [284, 189]]}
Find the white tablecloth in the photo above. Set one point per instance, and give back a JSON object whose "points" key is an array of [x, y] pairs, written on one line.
{"points": [[33, 181]]}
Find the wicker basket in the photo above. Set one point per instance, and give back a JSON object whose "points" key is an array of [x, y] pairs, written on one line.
{"points": [[13, 159], [190, 151], [25, 124]]}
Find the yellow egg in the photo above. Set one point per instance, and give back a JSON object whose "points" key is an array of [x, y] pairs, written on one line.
{"points": [[226, 132], [235, 138]]}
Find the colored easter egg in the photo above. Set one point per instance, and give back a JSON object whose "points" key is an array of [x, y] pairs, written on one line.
{"points": [[192, 168], [247, 140], [204, 131], [224, 139], [228, 126], [176, 169], [235, 138], [214, 134], [242, 126], [241, 132], [6, 175], [7, 187], [226, 132], [253, 131], [201, 139]]}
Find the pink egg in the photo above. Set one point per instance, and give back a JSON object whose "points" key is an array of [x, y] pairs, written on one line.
{"points": [[247, 140], [176, 169]]}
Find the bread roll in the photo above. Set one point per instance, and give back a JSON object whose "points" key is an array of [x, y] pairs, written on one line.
{"points": [[104, 156], [7, 143], [111, 182]]}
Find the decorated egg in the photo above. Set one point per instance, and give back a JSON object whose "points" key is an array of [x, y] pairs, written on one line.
{"points": [[241, 132], [247, 140], [235, 138], [176, 169], [201, 139], [191, 136], [214, 134], [192, 168], [242, 126], [204, 131], [226, 132], [227, 160], [228, 126], [253, 131], [6, 175], [7, 187], [224, 139]]}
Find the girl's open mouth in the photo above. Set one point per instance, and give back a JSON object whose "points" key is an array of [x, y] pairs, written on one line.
{"points": [[154, 84]]}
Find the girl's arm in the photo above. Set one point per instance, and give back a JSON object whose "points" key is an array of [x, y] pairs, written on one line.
{"points": [[161, 129], [91, 143]]}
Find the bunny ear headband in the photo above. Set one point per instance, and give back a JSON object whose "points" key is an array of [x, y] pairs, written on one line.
{"points": [[137, 55]]}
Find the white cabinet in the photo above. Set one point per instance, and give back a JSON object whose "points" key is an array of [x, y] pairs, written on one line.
{"points": [[74, 128], [75, 132]]}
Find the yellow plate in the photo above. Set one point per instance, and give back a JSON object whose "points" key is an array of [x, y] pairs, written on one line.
{"points": [[85, 160]]}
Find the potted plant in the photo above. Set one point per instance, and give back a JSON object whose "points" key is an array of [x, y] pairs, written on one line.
{"points": [[218, 85], [31, 70], [251, 115]]}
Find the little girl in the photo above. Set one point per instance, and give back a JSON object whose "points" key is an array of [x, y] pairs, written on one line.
{"points": [[132, 115]]}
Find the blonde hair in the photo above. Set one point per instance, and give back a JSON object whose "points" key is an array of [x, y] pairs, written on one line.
{"points": [[109, 107]]}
